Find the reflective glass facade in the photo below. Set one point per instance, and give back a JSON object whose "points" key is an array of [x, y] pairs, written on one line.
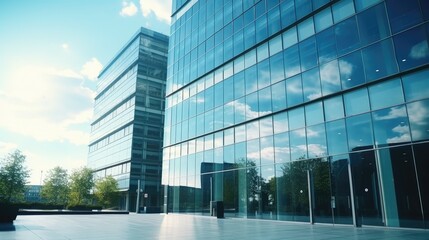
{"points": [[299, 110], [127, 130]]}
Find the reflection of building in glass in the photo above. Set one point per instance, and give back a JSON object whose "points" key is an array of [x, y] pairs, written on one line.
{"points": [[320, 109], [32, 193], [126, 133]]}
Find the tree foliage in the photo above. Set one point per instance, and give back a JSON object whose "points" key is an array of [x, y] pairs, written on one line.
{"points": [[106, 191], [13, 176], [56, 188], [81, 183]]}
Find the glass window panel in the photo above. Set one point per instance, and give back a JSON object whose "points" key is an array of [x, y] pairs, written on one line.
{"points": [[292, 61], [294, 90], [287, 12], [351, 70], [311, 84], [416, 85], [274, 23], [209, 98], [261, 28], [266, 126], [403, 14], [330, 78], [306, 29], [278, 93], [276, 45], [343, 10], [336, 137], [302, 7], [316, 141], [265, 106], [347, 37], [356, 102], [267, 150], [373, 24], [379, 60], [252, 106], [280, 122], [218, 92], [412, 48], [334, 108], [391, 126], [238, 64], [360, 5], [325, 46], [281, 147], [296, 118], [263, 74], [252, 130], [240, 110], [323, 19], [277, 68], [218, 139], [228, 136], [418, 113], [262, 52], [209, 121], [228, 114], [359, 132], [314, 113], [249, 36], [240, 153], [308, 53], [228, 155], [298, 145], [251, 79], [218, 118], [250, 58], [228, 87], [290, 37], [239, 87], [240, 133], [386, 94]]}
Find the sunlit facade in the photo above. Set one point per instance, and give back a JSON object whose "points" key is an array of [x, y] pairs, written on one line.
{"points": [[312, 111], [127, 130]]}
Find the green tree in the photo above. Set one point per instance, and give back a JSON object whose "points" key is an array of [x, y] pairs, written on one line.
{"points": [[13, 176], [81, 183], [106, 191], [56, 188]]}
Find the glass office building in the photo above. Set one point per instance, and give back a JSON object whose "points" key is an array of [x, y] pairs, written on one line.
{"points": [[300, 110], [127, 130]]}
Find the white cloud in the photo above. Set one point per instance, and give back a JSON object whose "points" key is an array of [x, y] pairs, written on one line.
{"points": [[161, 9], [47, 104], [394, 112], [128, 9], [92, 69]]}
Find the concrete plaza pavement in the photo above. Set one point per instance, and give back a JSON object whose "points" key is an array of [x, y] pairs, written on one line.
{"points": [[179, 226]]}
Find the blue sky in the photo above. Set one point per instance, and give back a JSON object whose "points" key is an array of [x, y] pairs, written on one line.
{"points": [[50, 55]]}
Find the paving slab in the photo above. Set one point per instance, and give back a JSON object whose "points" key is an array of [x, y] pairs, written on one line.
{"points": [[180, 226]]}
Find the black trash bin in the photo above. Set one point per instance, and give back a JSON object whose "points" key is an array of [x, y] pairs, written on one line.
{"points": [[217, 209]]}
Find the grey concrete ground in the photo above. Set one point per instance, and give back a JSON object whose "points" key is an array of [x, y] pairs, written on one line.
{"points": [[172, 226]]}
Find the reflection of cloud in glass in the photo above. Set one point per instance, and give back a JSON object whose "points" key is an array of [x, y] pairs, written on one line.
{"points": [[314, 95], [420, 50], [329, 73], [298, 149], [266, 128], [282, 150], [346, 68], [404, 135], [419, 120], [299, 132], [294, 87], [316, 150], [267, 153], [394, 112], [245, 110]]}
